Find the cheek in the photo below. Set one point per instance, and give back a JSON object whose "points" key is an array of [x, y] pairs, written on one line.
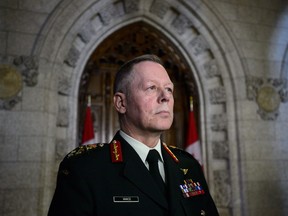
{"points": [[172, 104], [148, 105], [139, 107]]}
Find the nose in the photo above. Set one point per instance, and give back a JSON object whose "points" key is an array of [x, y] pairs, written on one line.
{"points": [[165, 96]]}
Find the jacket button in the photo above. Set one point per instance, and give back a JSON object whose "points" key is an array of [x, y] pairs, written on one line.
{"points": [[202, 213]]}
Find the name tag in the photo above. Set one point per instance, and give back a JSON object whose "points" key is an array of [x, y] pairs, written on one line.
{"points": [[125, 199]]}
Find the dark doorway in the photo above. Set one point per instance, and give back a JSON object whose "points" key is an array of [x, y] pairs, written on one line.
{"points": [[97, 79]]}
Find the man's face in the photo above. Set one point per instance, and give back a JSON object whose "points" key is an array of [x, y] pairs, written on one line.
{"points": [[150, 102]]}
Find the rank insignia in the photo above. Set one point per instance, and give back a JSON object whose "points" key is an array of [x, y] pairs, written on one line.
{"points": [[83, 149], [116, 151], [191, 188], [184, 171]]}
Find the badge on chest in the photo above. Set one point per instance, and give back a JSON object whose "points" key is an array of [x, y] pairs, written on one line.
{"points": [[191, 188]]}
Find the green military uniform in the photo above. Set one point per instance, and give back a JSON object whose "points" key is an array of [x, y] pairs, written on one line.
{"points": [[111, 180]]}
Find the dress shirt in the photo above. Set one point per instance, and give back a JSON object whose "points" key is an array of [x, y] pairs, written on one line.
{"points": [[143, 150]]}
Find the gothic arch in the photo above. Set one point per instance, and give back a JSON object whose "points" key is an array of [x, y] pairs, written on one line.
{"points": [[75, 29]]}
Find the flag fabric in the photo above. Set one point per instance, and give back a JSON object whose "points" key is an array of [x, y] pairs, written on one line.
{"points": [[192, 144], [88, 131]]}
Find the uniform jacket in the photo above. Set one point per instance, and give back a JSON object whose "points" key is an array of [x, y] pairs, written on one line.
{"points": [[111, 180]]}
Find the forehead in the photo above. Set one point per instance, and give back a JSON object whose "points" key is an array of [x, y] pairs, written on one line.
{"points": [[149, 70]]}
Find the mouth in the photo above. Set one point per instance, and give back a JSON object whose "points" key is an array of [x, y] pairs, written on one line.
{"points": [[163, 112]]}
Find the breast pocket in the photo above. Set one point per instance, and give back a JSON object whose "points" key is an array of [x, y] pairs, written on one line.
{"points": [[197, 206]]}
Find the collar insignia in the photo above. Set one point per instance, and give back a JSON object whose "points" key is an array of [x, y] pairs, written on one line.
{"points": [[116, 151]]}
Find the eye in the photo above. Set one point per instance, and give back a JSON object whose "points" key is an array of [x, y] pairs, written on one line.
{"points": [[169, 89], [153, 87]]}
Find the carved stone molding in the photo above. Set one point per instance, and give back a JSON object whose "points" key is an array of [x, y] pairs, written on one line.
{"points": [[268, 94], [131, 5], [86, 32], [284, 94], [63, 117], [199, 45], [220, 149], [10, 82], [108, 13], [211, 69], [61, 148], [159, 8], [181, 23], [219, 122], [72, 57], [222, 188], [9, 104], [28, 65], [26, 69], [217, 95], [64, 85]]}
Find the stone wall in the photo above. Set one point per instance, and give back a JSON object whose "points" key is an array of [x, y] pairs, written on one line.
{"points": [[238, 50]]}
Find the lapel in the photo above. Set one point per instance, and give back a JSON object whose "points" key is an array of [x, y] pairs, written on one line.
{"points": [[174, 178], [137, 173]]}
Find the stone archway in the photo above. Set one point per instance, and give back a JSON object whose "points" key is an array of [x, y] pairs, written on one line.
{"points": [[76, 29], [97, 80]]}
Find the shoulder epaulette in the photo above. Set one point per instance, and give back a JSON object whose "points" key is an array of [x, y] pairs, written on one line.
{"points": [[83, 149], [181, 151]]}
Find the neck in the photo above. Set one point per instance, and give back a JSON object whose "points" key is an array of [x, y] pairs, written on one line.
{"points": [[147, 138]]}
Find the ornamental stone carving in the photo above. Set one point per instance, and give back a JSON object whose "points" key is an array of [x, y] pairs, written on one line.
{"points": [[86, 33], [107, 14], [222, 188], [159, 8], [63, 117], [211, 69], [220, 149], [9, 104], [217, 95], [284, 92], [131, 6], [199, 45], [72, 57], [181, 23], [14, 72], [64, 85], [219, 122], [268, 94], [28, 65]]}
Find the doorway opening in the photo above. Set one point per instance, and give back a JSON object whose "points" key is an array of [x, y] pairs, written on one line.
{"points": [[98, 76]]}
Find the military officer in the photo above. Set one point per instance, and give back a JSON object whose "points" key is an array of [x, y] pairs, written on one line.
{"points": [[135, 174]]}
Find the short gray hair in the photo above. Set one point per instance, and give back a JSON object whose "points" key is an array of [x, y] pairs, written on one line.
{"points": [[124, 75]]}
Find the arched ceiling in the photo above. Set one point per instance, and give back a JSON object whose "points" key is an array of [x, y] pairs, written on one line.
{"points": [[138, 39]]}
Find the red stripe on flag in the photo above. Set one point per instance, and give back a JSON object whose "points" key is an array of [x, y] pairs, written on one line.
{"points": [[192, 135], [88, 131], [192, 144]]}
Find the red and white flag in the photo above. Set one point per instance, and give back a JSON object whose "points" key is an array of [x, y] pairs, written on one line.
{"points": [[192, 144], [88, 131]]}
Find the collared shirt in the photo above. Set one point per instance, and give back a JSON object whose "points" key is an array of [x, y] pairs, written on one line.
{"points": [[143, 150]]}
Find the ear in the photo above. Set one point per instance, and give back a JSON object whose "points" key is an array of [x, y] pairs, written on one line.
{"points": [[119, 100]]}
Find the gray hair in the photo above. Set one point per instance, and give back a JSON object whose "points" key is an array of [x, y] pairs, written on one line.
{"points": [[124, 75]]}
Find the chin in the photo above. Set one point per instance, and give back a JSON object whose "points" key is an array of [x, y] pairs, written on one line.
{"points": [[164, 127]]}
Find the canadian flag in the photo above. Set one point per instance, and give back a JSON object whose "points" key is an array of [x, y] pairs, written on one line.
{"points": [[88, 131], [192, 144]]}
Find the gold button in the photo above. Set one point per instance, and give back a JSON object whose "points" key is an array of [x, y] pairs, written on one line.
{"points": [[203, 213]]}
